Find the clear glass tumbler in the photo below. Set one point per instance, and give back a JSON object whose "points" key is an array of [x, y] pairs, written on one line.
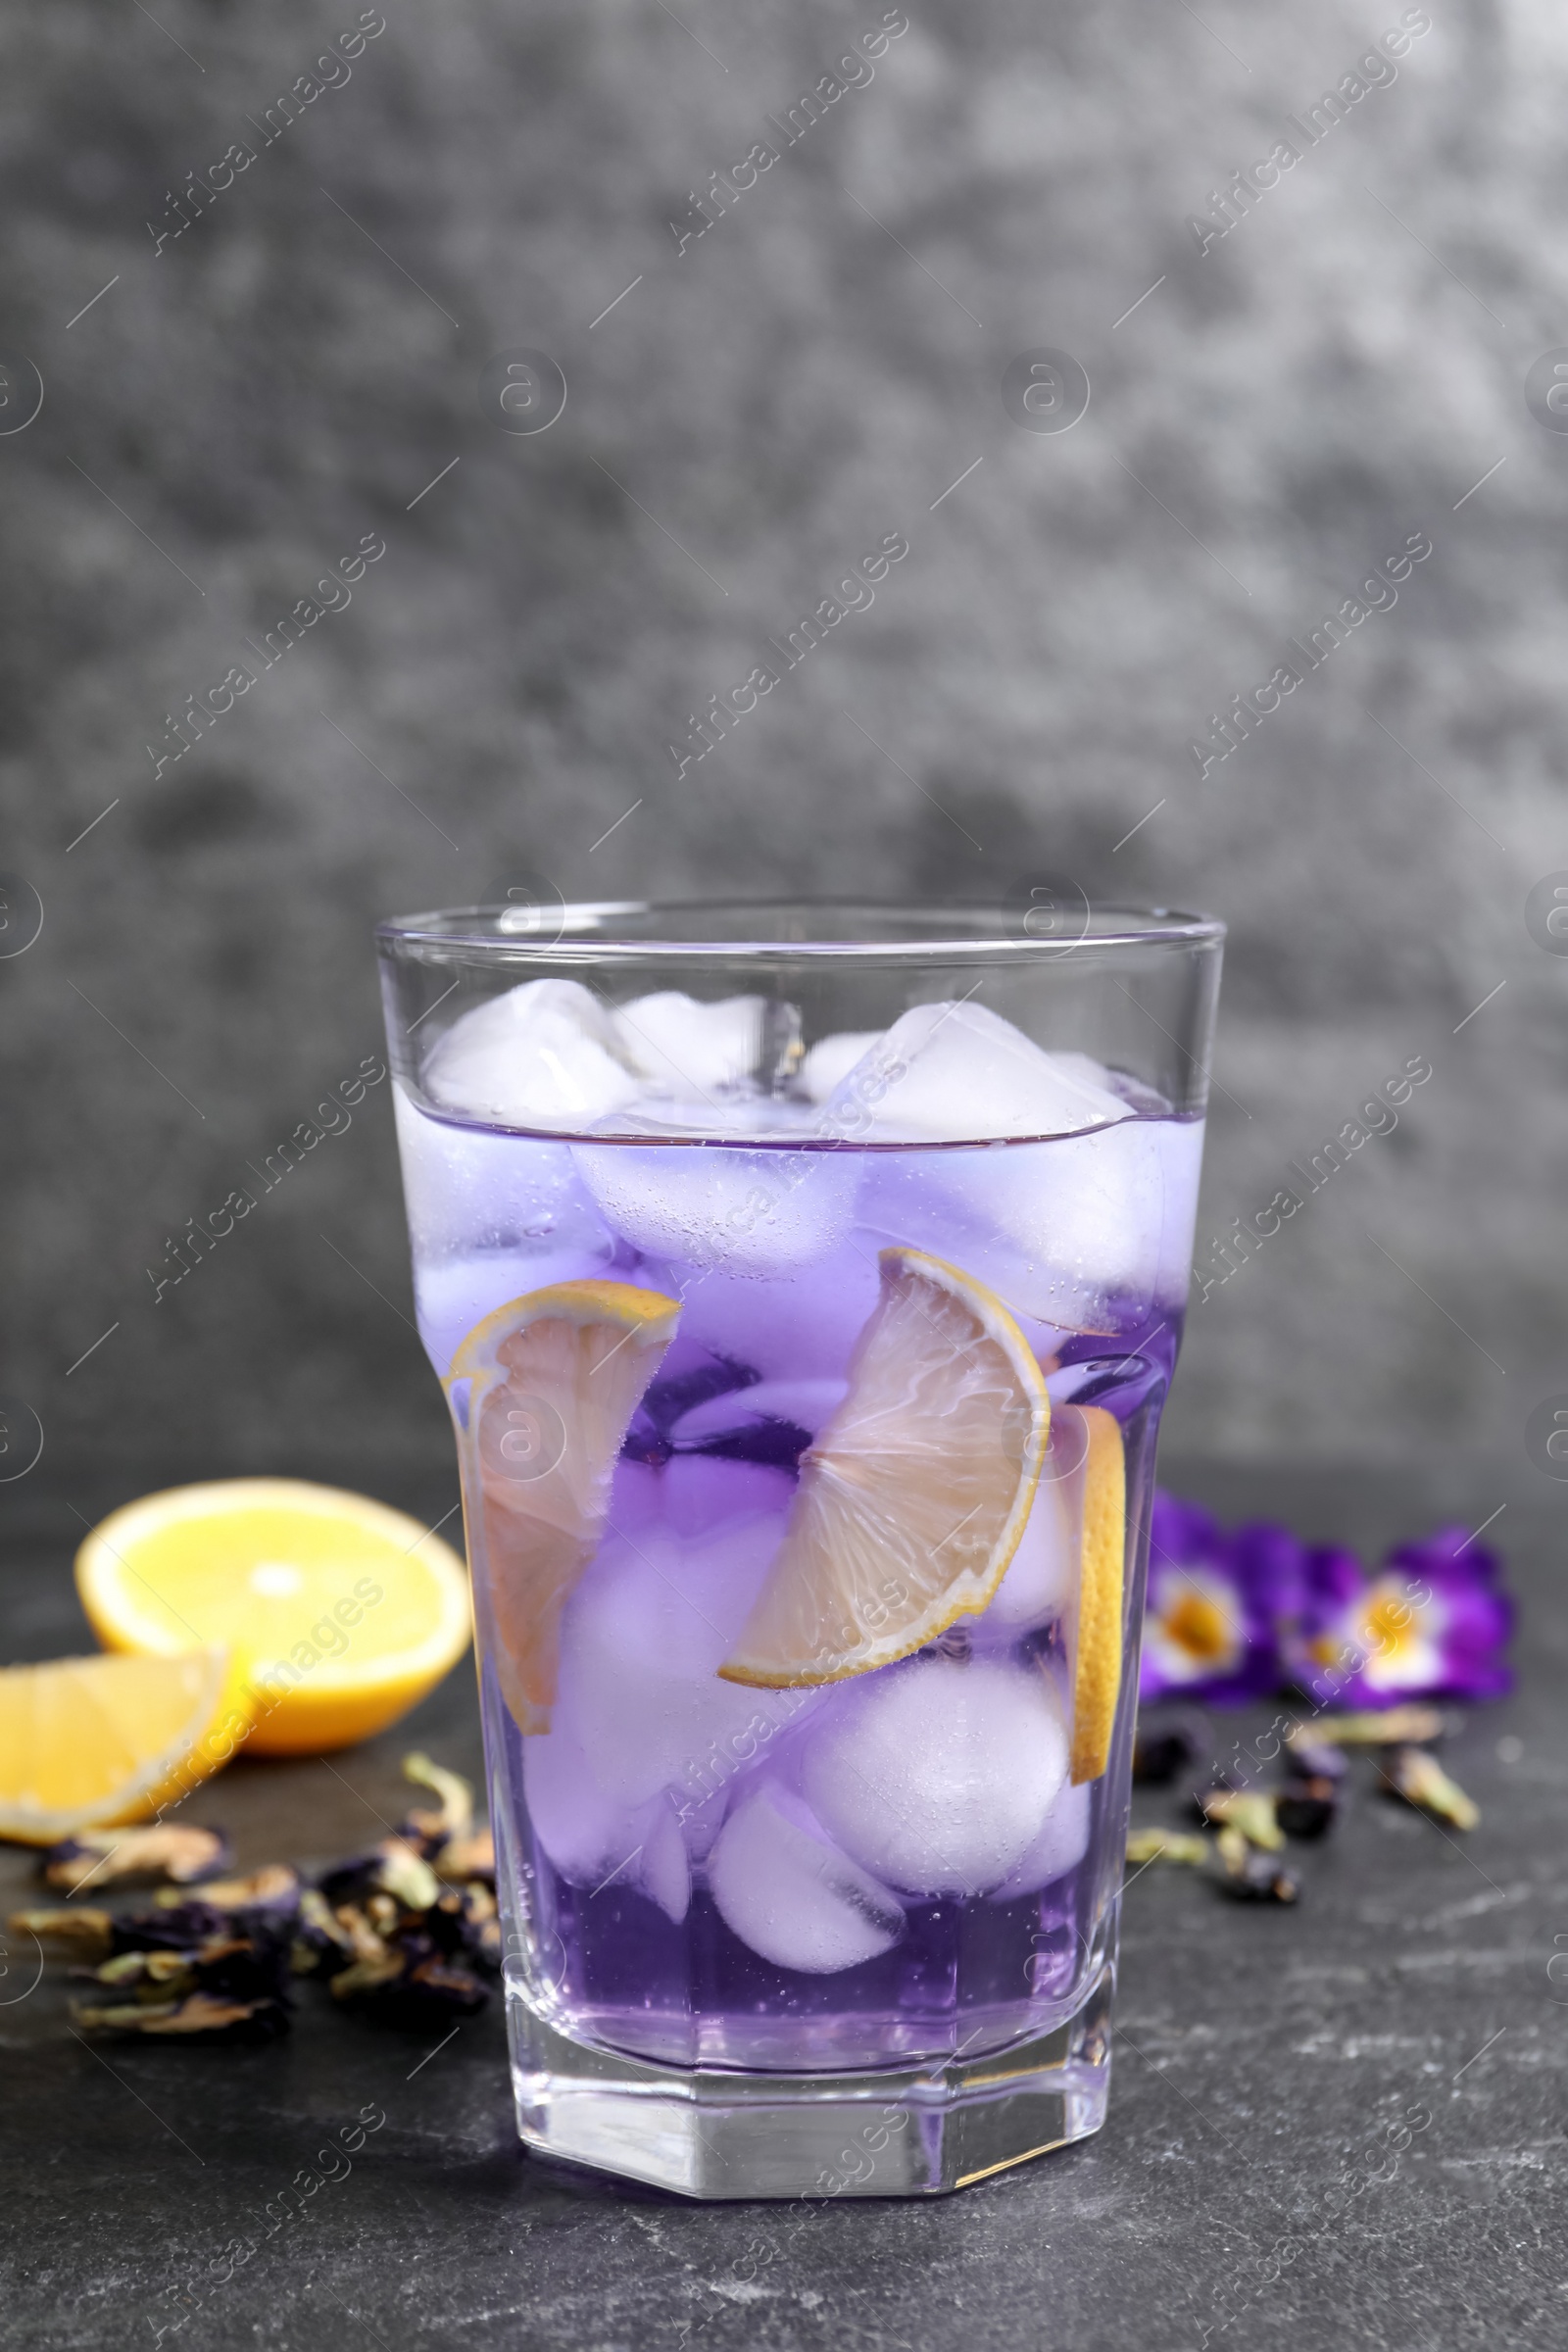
{"points": [[805, 1282]]}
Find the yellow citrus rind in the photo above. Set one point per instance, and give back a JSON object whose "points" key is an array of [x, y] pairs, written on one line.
{"points": [[542, 1393], [1098, 1639], [97, 1741], [341, 1612], [913, 1499]]}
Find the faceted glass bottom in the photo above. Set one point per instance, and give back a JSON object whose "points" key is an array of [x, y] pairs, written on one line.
{"points": [[921, 2130]]}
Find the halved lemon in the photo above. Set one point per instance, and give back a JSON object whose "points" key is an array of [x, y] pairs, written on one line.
{"points": [[87, 1742], [543, 1392], [340, 1613], [1097, 1647], [913, 1497]]}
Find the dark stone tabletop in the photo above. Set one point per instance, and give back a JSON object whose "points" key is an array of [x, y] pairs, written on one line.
{"points": [[1336, 2126]]}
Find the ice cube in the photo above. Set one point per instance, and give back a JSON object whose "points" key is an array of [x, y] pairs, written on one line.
{"points": [[937, 1775], [831, 1060], [1070, 1230], [1041, 1579], [665, 1867], [687, 1048], [451, 1297], [802, 1404], [655, 1614], [592, 1837], [798, 1327], [958, 1073], [785, 1890], [1060, 1847], [747, 1213], [546, 1054], [467, 1190]]}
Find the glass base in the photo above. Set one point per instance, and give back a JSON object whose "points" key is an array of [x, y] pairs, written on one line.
{"points": [[908, 2132]]}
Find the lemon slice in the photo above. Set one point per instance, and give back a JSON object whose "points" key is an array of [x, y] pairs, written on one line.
{"points": [[341, 1612], [85, 1741], [913, 1497], [553, 1381], [1098, 1636]]}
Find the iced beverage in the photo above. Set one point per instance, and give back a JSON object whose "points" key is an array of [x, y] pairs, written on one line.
{"points": [[805, 1382]]}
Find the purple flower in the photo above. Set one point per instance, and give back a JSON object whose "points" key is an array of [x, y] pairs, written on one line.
{"points": [[1213, 1602], [1432, 1622]]}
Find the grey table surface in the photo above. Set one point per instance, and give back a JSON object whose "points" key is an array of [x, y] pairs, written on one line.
{"points": [[1252, 2187]]}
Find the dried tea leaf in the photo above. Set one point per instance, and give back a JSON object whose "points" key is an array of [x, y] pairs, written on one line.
{"points": [[83, 1935], [161, 1850], [1250, 1811], [1422, 1781]]}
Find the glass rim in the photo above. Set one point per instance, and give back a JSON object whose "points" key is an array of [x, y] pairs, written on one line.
{"points": [[929, 931]]}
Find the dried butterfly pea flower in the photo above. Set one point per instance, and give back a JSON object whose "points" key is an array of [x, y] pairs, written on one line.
{"points": [[466, 1921], [468, 1857], [1378, 1727], [1249, 1875], [365, 1942], [1248, 1811], [1410, 1773], [395, 1867], [75, 1934], [273, 1888], [1166, 1745], [241, 1968], [1167, 1845], [455, 1818], [367, 1976], [410, 1981], [1315, 1759], [162, 1851], [199, 2015], [321, 1944], [148, 1976], [1307, 1807]]}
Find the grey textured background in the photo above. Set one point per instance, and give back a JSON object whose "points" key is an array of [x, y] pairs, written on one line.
{"points": [[286, 376]]}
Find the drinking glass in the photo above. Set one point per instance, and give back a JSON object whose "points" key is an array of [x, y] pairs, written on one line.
{"points": [[805, 1282]]}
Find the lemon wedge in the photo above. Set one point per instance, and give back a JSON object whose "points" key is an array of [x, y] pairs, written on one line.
{"points": [[913, 1497], [1097, 1644], [543, 1392], [340, 1613], [86, 1741]]}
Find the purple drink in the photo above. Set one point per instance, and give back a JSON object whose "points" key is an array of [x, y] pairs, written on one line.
{"points": [[905, 1309]]}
